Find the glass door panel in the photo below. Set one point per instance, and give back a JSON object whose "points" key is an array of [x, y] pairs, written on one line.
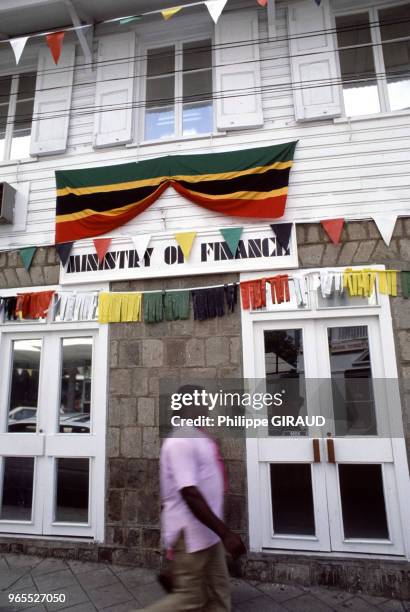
{"points": [[16, 493], [292, 499], [72, 490], [25, 375]]}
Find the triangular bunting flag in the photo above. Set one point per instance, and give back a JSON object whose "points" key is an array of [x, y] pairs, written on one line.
{"points": [[126, 20], [64, 250], [185, 241], [262, 2], [318, 2], [141, 243], [215, 8], [232, 235], [27, 255], [101, 246], [333, 228], [385, 225], [168, 13], [55, 44], [18, 44], [282, 232]]}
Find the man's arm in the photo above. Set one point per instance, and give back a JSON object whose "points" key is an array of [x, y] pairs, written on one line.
{"points": [[200, 509]]}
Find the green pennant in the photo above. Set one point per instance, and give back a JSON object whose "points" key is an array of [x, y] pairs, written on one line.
{"points": [[126, 20], [232, 235], [27, 255]]}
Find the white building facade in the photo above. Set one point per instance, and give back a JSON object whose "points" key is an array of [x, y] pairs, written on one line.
{"points": [[79, 437]]}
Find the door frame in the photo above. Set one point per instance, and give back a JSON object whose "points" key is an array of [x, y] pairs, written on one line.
{"points": [[383, 313], [19, 330]]}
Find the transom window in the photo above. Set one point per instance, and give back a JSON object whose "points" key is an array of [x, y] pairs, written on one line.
{"points": [[374, 53], [179, 90], [16, 114]]}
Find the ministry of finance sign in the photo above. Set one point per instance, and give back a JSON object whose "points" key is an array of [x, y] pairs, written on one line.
{"points": [[257, 249]]}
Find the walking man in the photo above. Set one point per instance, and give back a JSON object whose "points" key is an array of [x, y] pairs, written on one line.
{"points": [[193, 531]]}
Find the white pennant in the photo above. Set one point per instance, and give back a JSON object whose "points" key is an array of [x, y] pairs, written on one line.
{"points": [[215, 8], [385, 225], [141, 243], [18, 44]]}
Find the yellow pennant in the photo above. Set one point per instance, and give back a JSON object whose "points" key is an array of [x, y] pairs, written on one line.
{"points": [[185, 241], [168, 13]]}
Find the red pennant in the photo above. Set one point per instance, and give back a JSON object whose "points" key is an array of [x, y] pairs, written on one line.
{"points": [[262, 2], [101, 246], [55, 44], [333, 228]]}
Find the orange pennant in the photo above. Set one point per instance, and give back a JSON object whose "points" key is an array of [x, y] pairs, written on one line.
{"points": [[101, 246], [262, 2], [333, 228], [55, 44]]}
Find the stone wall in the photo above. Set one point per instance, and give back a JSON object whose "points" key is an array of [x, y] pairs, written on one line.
{"points": [[141, 354]]}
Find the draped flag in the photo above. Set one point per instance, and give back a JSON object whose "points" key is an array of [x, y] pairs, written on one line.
{"points": [[251, 183], [215, 8], [232, 235], [55, 44], [18, 44], [185, 241]]}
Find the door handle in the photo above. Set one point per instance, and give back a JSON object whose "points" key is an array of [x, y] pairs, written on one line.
{"points": [[316, 451], [331, 457]]}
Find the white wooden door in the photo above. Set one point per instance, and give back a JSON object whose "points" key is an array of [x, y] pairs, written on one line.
{"points": [[291, 473], [52, 408], [363, 499]]}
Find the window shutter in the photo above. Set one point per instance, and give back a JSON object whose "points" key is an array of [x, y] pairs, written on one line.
{"points": [[52, 102], [314, 95], [237, 72], [114, 91]]}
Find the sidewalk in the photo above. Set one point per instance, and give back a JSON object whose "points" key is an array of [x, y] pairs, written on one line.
{"points": [[92, 586]]}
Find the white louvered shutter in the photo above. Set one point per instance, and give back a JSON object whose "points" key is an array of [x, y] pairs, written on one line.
{"points": [[52, 101], [315, 75], [237, 71], [114, 90]]}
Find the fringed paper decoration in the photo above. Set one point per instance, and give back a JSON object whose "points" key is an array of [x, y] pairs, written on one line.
{"points": [[387, 282], [279, 286], [333, 228], [153, 307], [55, 44], [359, 283], [120, 307], [33, 305], [232, 235], [75, 306], [176, 305], [208, 303], [253, 294], [405, 284]]}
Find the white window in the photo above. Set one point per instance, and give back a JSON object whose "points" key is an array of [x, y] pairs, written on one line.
{"points": [[178, 97], [16, 113], [374, 53]]}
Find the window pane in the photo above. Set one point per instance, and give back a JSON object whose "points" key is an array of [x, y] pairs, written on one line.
{"points": [[75, 396], [357, 65], [3, 125], [160, 61], [20, 146], [197, 54], [285, 371], [5, 87], [292, 499], [160, 92], [24, 386], [27, 86], [363, 507], [17, 495], [395, 23], [72, 490], [197, 86], [352, 385], [159, 123], [197, 118]]}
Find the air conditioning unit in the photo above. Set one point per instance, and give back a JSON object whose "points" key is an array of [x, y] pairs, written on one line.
{"points": [[7, 201]]}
